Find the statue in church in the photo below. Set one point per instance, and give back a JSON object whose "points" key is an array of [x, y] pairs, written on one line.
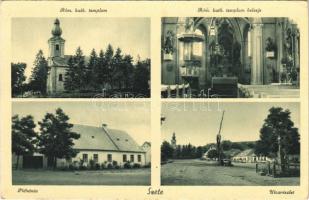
{"points": [[169, 42], [189, 25]]}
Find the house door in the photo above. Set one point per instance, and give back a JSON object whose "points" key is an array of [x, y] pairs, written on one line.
{"points": [[32, 162]]}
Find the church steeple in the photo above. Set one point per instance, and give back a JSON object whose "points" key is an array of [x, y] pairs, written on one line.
{"points": [[173, 141], [56, 31], [56, 42]]}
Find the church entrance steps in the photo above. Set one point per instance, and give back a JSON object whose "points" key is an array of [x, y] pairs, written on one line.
{"points": [[269, 91]]}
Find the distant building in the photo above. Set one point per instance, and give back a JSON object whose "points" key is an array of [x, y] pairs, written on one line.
{"points": [[248, 155]]}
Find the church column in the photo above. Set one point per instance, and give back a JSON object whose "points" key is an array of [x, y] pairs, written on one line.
{"points": [[296, 47], [280, 42], [257, 54]]}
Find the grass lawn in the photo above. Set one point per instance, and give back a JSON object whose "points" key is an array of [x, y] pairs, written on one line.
{"points": [[199, 172], [101, 177]]}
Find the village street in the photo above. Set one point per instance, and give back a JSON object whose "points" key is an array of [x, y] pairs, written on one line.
{"points": [[101, 177], [201, 172]]}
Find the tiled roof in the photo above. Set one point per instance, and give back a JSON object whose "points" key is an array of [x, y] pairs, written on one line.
{"points": [[123, 140], [99, 138], [247, 152]]}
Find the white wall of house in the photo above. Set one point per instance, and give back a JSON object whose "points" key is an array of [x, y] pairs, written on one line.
{"points": [[103, 157], [147, 148]]}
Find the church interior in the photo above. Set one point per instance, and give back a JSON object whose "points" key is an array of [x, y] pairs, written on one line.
{"points": [[219, 57]]}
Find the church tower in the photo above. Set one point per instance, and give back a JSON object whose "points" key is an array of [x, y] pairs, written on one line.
{"points": [[56, 42], [57, 61], [173, 141]]}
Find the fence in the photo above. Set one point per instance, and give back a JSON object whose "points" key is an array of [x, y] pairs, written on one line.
{"points": [[276, 170]]}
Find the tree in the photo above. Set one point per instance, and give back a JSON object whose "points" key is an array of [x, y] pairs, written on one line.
{"points": [[278, 130], [226, 145], [17, 77], [39, 73], [23, 136], [101, 71], [70, 76], [199, 152], [142, 77], [213, 153], [128, 70], [90, 71], [80, 67], [109, 53], [56, 137], [166, 151], [117, 69]]}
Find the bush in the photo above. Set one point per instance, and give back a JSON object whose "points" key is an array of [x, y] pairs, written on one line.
{"points": [[115, 163], [109, 166], [103, 166], [72, 167], [82, 167], [127, 165], [117, 167], [97, 166], [136, 165], [148, 165], [92, 164], [64, 168]]}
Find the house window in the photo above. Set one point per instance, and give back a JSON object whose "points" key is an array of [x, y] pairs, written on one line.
{"points": [[132, 158], [95, 158], [60, 77], [57, 47], [85, 157], [139, 158], [124, 158], [109, 157]]}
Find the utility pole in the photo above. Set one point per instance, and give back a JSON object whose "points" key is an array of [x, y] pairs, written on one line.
{"points": [[219, 140]]}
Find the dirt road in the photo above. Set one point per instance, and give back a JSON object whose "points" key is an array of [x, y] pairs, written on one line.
{"points": [[200, 172]]}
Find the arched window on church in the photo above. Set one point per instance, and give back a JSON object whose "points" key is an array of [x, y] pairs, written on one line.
{"points": [[57, 47], [60, 77]]}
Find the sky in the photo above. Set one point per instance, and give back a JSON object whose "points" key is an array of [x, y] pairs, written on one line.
{"points": [[131, 35], [198, 123], [132, 117]]}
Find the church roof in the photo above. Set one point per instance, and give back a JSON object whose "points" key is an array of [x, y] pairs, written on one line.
{"points": [[99, 138], [59, 61], [63, 62]]}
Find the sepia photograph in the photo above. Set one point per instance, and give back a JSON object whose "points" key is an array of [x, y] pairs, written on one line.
{"points": [[230, 57], [230, 144], [80, 57], [55, 143], [154, 100]]}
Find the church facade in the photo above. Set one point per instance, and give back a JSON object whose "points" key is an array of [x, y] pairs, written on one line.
{"points": [[254, 54]]}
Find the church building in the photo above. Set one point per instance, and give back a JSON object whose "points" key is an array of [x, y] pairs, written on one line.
{"points": [[230, 57], [57, 61]]}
